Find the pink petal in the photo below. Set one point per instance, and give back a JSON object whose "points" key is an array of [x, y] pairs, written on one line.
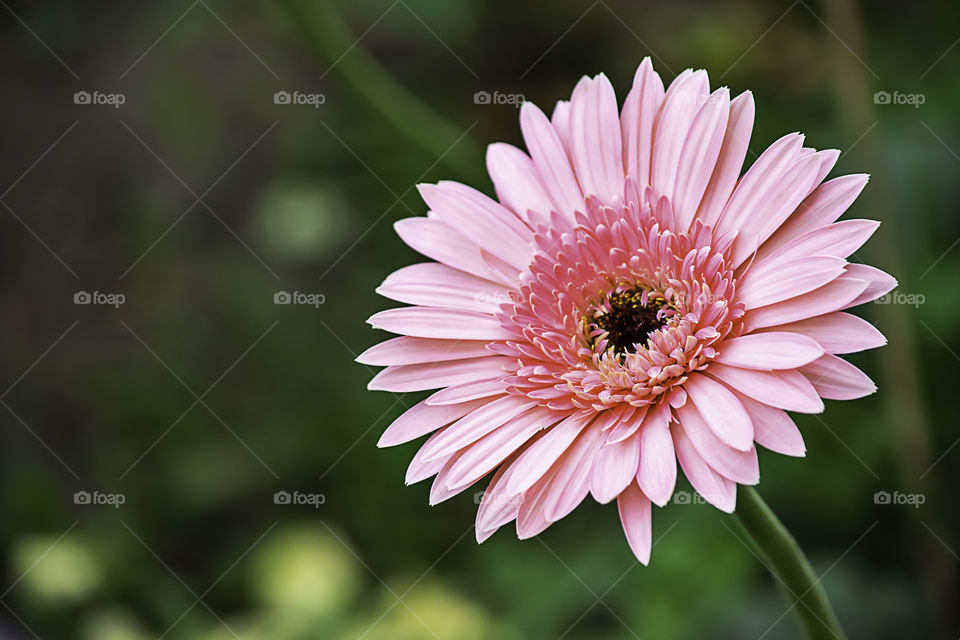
{"points": [[780, 195], [722, 411], [422, 419], [572, 482], [615, 467], [467, 391], [753, 188], [878, 283], [437, 285], [739, 466], [730, 162], [772, 350], [439, 490], [478, 459], [407, 350], [837, 332], [479, 219], [636, 120], [551, 160], [773, 428], [420, 468], [439, 241], [836, 295], [496, 508], [627, 425], [435, 322], [516, 180], [823, 206], [683, 99], [836, 379], [839, 239], [634, 508], [531, 518], [657, 471], [701, 149], [596, 146], [782, 389], [758, 288], [470, 428], [537, 460], [715, 489], [434, 375]]}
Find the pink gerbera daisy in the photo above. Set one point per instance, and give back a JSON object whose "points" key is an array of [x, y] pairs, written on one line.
{"points": [[630, 302]]}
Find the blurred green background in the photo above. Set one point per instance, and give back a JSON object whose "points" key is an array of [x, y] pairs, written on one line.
{"points": [[198, 398]]}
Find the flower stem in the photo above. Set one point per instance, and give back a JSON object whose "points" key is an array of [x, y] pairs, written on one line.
{"points": [[786, 561]]}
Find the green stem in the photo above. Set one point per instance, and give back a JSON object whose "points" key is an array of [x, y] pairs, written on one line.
{"points": [[787, 562], [392, 102]]}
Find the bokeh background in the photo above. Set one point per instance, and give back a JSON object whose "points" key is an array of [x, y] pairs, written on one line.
{"points": [[197, 399]]}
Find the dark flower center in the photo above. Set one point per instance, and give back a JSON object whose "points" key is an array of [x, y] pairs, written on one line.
{"points": [[628, 318]]}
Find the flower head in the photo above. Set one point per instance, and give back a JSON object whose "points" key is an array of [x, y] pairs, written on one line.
{"points": [[628, 302]]}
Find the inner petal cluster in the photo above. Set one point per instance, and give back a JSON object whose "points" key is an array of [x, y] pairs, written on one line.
{"points": [[618, 308]]}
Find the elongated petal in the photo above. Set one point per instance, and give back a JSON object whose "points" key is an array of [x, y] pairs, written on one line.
{"points": [[657, 471], [572, 482], [837, 332], [639, 112], [634, 509], [823, 206], [535, 461], [551, 160], [615, 468], [595, 138], [739, 466], [437, 285], [773, 428], [767, 351], [698, 159], [836, 379], [473, 390], [878, 283], [715, 489], [407, 350], [516, 180], [722, 411], [782, 389], [477, 424], [422, 419], [478, 459], [792, 279], [434, 375], [683, 99], [833, 296], [441, 242], [480, 219], [431, 322], [736, 140]]}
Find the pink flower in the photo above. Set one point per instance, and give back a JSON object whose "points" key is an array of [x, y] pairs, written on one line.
{"points": [[630, 302]]}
